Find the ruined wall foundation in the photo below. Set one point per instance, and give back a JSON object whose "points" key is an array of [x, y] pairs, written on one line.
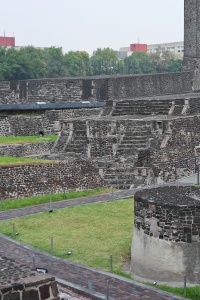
{"points": [[166, 238]]}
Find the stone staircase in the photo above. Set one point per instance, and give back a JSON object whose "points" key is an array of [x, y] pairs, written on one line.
{"points": [[78, 142], [134, 141], [119, 177], [142, 107], [60, 142]]}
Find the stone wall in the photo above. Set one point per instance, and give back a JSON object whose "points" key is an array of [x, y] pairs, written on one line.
{"points": [[37, 179], [4, 126], [4, 85], [19, 282], [25, 126], [41, 289], [20, 150], [48, 122], [149, 85], [166, 239], [97, 88], [173, 156]]}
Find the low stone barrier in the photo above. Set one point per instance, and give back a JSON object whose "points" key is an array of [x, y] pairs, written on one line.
{"points": [[20, 283]]}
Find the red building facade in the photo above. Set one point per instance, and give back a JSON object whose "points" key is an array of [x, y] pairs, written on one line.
{"points": [[138, 47], [7, 41]]}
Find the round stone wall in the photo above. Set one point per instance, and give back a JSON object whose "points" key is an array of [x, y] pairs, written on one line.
{"points": [[166, 238]]}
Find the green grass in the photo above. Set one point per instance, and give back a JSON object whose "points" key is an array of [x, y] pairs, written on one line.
{"points": [[26, 139], [92, 232], [191, 292], [36, 200], [9, 160]]}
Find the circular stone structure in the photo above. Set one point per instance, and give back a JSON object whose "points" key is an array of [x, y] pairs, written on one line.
{"points": [[166, 238]]}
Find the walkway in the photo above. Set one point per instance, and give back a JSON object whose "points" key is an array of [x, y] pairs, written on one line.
{"points": [[76, 274]]}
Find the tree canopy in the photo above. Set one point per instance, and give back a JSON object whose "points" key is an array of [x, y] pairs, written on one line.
{"points": [[30, 63]]}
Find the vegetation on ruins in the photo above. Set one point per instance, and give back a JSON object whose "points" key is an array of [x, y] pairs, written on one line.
{"points": [[10, 160], [36, 200], [92, 232], [26, 139], [30, 63]]}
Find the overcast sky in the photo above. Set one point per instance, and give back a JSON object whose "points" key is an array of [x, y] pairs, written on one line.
{"points": [[91, 24]]}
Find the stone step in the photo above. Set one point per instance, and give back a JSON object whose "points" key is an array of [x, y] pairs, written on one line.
{"points": [[135, 138], [129, 151], [141, 113], [138, 105], [130, 145], [120, 179]]}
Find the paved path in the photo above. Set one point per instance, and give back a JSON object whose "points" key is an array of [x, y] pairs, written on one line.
{"points": [[119, 287], [192, 179]]}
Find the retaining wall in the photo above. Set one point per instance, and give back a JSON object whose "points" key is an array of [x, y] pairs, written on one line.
{"points": [[19, 181], [97, 88], [20, 150]]}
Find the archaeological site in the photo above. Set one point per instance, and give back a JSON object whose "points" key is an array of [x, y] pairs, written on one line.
{"points": [[125, 132], [128, 130]]}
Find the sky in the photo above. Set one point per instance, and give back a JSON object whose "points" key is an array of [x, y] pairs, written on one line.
{"points": [[85, 25]]}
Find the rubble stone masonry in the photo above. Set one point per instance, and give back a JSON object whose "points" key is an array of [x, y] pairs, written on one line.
{"points": [[18, 181]]}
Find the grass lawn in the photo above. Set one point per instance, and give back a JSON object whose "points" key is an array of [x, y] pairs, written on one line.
{"points": [[92, 232], [26, 139], [191, 292], [10, 160], [36, 200]]}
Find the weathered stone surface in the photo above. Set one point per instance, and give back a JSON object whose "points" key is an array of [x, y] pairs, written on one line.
{"points": [[13, 296], [30, 295], [44, 292], [37, 179], [166, 242], [54, 288]]}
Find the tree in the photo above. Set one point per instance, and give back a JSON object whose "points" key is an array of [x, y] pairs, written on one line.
{"points": [[104, 61], [77, 63], [55, 62], [165, 61], [3, 64], [37, 67]]}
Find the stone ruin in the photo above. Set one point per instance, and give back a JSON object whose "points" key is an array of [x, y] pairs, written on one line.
{"points": [[145, 133], [19, 282], [166, 238]]}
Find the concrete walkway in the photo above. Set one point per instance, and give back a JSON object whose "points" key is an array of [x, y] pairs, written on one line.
{"points": [[73, 273]]}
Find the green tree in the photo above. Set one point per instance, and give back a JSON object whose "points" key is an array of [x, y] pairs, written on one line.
{"points": [[138, 63], [37, 67], [165, 61], [3, 63], [104, 61], [22, 64], [55, 62], [77, 63]]}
